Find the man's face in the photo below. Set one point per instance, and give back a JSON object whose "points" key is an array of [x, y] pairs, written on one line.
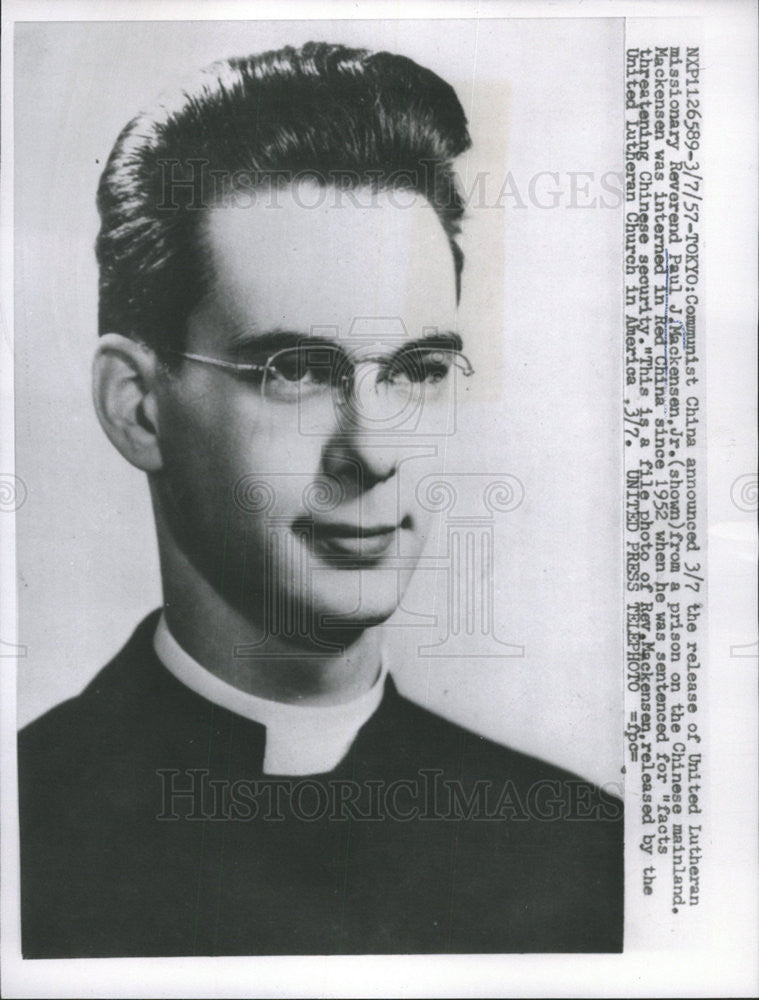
{"points": [[307, 505]]}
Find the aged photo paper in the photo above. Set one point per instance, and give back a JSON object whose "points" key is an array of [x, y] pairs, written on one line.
{"points": [[378, 499]]}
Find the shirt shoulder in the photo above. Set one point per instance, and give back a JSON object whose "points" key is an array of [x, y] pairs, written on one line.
{"points": [[428, 737], [103, 698]]}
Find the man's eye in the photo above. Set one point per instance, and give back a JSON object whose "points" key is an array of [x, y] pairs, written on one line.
{"points": [[288, 367], [422, 366], [306, 364]]}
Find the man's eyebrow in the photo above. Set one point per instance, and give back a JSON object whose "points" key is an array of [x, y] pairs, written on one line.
{"points": [[269, 342], [449, 339], [276, 340]]}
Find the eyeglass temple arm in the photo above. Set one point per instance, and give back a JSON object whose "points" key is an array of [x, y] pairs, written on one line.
{"points": [[218, 363]]}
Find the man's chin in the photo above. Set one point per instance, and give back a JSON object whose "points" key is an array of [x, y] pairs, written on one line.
{"points": [[358, 598], [338, 609], [328, 606], [326, 629]]}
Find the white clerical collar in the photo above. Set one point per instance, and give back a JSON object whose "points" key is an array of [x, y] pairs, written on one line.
{"points": [[300, 739]]}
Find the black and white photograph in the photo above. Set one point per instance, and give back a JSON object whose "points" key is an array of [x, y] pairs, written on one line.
{"points": [[359, 494]]}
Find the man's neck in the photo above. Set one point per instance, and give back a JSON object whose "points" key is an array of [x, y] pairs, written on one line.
{"points": [[241, 652]]}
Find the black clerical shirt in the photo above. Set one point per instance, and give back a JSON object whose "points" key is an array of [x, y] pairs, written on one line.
{"points": [[149, 828]]}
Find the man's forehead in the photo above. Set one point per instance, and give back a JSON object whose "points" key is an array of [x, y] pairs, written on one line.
{"points": [[308, 257]]}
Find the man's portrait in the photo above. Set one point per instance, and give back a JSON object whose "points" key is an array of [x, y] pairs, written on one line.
{"points": [[337, 509]]}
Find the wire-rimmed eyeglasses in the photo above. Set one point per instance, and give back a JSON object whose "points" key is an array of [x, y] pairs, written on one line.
{"points": [[423, 371]]}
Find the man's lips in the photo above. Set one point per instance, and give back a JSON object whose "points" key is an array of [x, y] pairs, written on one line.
{"points": [[339, 530], [338, 538]]}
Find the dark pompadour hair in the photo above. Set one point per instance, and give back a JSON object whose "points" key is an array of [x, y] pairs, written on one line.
{"points": [[343, 117]]}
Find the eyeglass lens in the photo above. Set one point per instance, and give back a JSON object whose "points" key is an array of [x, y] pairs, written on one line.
{"points": [[303, 372]]}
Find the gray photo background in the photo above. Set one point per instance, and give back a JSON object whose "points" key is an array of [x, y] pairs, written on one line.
{"points": [[541, 315]]}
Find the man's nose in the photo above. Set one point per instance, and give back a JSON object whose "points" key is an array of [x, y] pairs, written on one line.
{"points": [[364, 447]]}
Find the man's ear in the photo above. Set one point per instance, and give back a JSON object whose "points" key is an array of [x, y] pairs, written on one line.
{"points": [[124, 375]]}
